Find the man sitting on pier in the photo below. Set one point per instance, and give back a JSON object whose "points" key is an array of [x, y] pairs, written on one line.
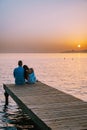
{"points": [[19, 74]]}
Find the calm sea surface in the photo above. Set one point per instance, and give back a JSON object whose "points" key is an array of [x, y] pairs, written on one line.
{"points": [[66, 72]]}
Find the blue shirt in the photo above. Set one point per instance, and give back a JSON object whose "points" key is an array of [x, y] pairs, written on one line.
{"points": [[19, 75], [31, 78]]}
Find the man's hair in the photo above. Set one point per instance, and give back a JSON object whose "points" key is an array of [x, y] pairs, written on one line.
{"points": [[20, 63]]}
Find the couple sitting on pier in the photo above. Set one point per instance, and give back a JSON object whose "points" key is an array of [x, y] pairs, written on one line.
{"points": [[23, 74]]}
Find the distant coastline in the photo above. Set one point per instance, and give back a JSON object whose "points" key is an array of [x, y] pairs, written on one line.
{"points": [[75, 51], [67, 51]]}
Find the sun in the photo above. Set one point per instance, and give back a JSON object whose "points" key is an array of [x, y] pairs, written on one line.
{"points": [[78, 45]]}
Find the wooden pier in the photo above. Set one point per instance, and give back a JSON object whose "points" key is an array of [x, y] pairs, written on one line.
{"points": [[49, 108]]}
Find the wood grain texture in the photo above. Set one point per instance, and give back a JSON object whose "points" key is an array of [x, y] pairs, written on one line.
{"points": [[49, 108]]}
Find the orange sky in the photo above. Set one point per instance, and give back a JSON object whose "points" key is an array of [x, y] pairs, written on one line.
{"points": [[43, 25]]}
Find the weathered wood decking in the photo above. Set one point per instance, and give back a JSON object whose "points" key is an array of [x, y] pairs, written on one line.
{"points": [[49, 108]]}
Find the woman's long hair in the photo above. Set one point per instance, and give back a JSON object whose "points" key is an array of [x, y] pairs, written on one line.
{"points": [[26, 71]]}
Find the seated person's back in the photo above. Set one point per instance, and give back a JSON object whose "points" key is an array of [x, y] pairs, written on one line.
{"points": [[31, 76], [19, 74]]}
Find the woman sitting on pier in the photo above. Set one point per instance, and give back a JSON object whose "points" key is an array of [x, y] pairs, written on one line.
{"points": [[29, 75]]}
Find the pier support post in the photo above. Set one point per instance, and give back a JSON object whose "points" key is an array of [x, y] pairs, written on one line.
{"points": [[6, 98]]}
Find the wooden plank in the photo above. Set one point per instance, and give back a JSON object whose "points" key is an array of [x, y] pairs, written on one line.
{"points": [[49, 108]]}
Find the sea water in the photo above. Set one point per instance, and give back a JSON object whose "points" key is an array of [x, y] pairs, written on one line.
{"points": [[64, 71]]}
